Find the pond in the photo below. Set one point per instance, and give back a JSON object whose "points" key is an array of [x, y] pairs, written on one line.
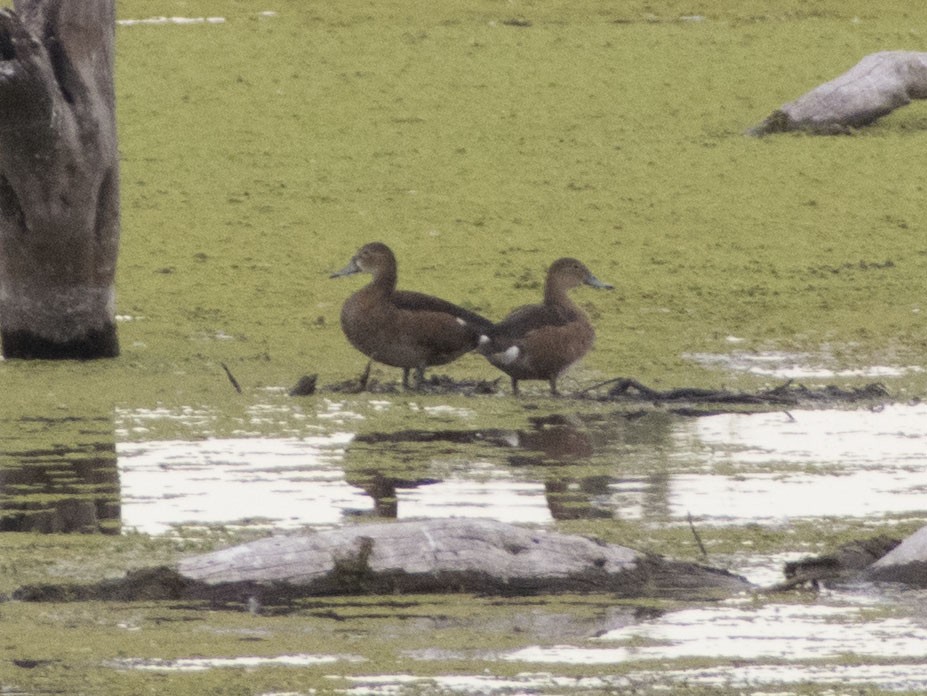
{"points": [[754, 486], [261, 146], [650, 468]]}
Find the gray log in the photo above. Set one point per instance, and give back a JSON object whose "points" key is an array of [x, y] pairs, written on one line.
{"points": [[59, 180], [876, 86], [906, 563], [435, 556], [452, 555]]}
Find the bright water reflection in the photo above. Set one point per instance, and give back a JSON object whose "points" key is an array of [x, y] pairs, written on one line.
{"points": [[806, 464], [784, 632], [747, 679], [762, 646], [248, 482], [500, 499], [733, 469], [737, 644]]}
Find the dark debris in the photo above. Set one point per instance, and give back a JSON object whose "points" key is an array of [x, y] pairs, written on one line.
{"points": [[686, 401], [786, 394]]}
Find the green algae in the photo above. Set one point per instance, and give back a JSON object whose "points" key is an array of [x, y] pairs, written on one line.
{"points": [[259, 153]]}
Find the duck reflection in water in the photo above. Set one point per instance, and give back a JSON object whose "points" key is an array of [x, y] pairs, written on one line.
{"points": [[586, 466], [552, 443]]}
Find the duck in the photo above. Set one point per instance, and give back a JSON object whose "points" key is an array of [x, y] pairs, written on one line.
{"points": [[401, 328], [540, 341]]}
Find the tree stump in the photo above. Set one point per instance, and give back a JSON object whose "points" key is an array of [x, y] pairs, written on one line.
{"points": [[59, 180], [876, 86]]}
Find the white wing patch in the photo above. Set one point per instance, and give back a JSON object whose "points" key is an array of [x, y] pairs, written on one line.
{"points": [[509, 356]]}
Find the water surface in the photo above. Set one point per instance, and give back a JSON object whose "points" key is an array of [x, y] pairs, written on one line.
{"points": [[655, 469]]}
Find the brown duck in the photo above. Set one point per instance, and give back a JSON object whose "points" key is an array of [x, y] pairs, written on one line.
{"points": [[400, 328], [541, 341]]}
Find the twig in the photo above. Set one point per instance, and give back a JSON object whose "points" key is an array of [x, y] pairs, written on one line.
{"points": [[231, 377], [600, 384], [623, 384], [698, 539]]}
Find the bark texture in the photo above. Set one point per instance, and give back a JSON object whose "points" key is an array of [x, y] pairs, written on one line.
{"points": [[876, 86], [59, 180], [450, 555]]}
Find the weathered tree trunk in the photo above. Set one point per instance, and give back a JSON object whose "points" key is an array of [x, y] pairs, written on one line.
{"points": [[59, 180], [446, 555], [876, 86]]}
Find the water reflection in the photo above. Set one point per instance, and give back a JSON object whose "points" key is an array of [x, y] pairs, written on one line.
{"points": [[59, 475], [258, 483], [772, 467], [560, 467], [654, 467]]}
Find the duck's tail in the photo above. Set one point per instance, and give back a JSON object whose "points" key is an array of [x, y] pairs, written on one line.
{"points": [[498, 351]]}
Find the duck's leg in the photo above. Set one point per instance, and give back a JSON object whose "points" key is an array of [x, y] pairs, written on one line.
{"points": [[364, 376], [514, 386], [553, 386], [419, 377]]}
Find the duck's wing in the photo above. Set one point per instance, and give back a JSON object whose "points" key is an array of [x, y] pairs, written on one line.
{"points": [[528, 318], [420, 302]]}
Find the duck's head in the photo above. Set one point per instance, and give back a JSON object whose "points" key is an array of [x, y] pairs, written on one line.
{"points": [[375, 258], [569, 273]]}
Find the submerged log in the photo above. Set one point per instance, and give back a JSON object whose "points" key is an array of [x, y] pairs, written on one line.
{"points": [[59, 181], [876, 86], [843, 565], [878, 559], [449, 555]]}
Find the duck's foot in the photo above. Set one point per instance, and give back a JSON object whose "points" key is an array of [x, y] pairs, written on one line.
{"points": [[363, 383]]}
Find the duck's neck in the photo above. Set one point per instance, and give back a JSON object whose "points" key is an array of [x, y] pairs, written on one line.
{"points": [[384, 281], [555, 294]]}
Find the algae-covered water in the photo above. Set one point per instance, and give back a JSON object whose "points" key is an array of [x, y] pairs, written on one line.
{"points": [[262, 144]]}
